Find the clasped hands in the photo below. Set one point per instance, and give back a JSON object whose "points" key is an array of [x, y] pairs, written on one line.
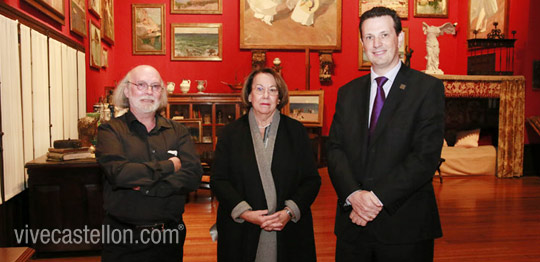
{"points": [[177, 165], [273, 222], [365, 207]]}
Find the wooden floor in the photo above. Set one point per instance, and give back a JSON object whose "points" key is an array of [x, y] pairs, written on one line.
{"points": [[483, 218]]}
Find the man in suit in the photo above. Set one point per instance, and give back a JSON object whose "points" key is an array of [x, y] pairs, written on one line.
{"points": [[384, 146]]}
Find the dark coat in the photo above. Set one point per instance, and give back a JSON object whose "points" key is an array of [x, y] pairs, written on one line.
{"points": [[235, 177], [397, 163]]}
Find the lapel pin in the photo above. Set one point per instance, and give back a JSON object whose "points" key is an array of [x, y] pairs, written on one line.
{"points": [[402, 86]]}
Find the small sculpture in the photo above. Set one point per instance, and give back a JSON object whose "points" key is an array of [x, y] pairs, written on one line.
{"points": [[277, 65], [258, 59], [432, 44], [408, 55], [326, 66]]}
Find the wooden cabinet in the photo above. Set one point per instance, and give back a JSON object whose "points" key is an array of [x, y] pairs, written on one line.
{"points": [[205, 115], [65, 195]]}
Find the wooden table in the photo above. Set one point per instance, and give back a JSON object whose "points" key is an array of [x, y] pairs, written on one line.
{"points": [[16, 254]]}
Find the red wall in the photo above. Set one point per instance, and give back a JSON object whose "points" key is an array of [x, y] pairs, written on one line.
{"points": [[453, 57]]}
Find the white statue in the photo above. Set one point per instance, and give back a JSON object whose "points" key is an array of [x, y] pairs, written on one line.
{"points": [[432, 45]]}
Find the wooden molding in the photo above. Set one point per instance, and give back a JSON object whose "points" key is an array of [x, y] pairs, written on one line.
{"points": [[39, 26]]}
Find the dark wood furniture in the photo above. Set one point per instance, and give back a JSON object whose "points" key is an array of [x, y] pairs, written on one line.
{"points": [[214, 111], [16, 254], [65, 195]]}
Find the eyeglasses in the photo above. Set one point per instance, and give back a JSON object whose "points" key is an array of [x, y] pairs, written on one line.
{"points": [[260, 90], [142, 86]]}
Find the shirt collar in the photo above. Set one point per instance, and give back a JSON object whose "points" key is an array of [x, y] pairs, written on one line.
{"points": [[161, 122], [391, 75]]}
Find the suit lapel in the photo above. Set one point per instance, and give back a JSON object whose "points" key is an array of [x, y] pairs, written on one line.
{"points": [[393, 99]]}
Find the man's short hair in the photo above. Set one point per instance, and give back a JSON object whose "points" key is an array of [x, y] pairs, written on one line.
{"points": [[379, 11]]}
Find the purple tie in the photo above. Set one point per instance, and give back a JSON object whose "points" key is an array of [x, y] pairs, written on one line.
{"points": [[377, 104]]}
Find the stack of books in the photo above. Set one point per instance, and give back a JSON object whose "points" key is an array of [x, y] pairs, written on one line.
{"points": [[63, 154]]}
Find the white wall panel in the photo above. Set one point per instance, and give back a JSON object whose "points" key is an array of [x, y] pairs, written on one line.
{"points": [[81, 83], [69, 78], [26, 92], [40, 99], [55, 91], [11, 111]]}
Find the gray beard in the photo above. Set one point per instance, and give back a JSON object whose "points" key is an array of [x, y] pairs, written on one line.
{"points": [[144, 107]]}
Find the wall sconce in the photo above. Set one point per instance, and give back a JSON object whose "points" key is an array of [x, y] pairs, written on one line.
{"points": [[326, 64], [258, 59]]}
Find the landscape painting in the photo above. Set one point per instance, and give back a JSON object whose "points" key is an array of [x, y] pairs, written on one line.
{"points": [[401, 6], [306, 106], [196, 6], [196, 42]]}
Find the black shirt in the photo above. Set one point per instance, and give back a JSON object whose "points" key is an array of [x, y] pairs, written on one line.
{"points": [[132, 157]]}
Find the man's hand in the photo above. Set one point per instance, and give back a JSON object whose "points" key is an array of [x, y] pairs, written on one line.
{"points": [[365, 204], [177, 163], [355, 218]]}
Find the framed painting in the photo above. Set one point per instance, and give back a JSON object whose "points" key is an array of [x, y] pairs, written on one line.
{"points": [[107, 21], [77, 17], [431, 8], [94, 6], [105, 58], [95, 45], [401, 7], [306, 106], [363, 61], [148, 22], [483, 15], [52, 8], [196, 42], [196, 7], [290, 27], [194, 128]]}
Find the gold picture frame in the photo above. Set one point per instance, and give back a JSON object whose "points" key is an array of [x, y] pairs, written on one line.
{"points": [[107, 21], [194, 127], [95, 45], [197, 41], [490, 16], [55, 9], [197, 7], [401, 7], [77, 17], [94, 6], [306, 106], [318, 30], [104, 58], [436, 8], [363, 62], [148, 25]]}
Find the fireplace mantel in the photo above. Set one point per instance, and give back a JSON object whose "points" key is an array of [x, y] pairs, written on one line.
{"points": [[511, 92]]}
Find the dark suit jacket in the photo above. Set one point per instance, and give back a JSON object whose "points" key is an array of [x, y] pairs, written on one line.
{"points": [[397, 163], [235, 177]]}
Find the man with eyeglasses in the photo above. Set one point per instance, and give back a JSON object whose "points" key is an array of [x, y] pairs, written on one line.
{"points": [[150, 165]]}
